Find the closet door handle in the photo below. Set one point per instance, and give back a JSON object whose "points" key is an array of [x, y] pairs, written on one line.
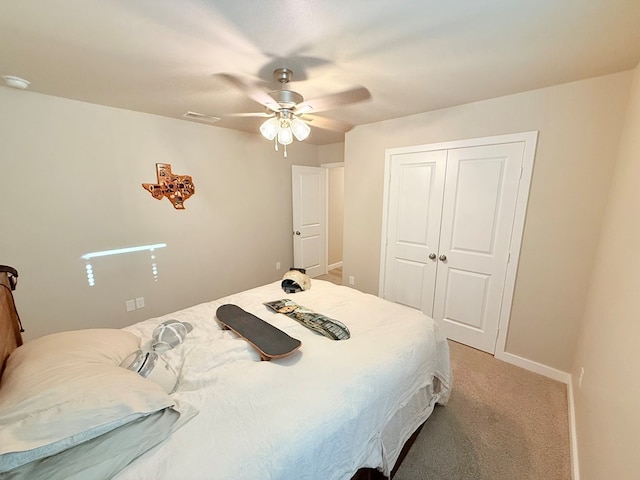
{"points": [[432, 256], [442, 258]]}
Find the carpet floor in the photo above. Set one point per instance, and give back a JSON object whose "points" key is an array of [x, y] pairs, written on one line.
{"points": [[501, 423]]}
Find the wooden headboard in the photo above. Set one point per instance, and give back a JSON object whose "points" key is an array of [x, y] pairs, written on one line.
{"points": [[10, 337]]}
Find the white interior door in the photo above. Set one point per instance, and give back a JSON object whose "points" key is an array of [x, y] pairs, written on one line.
{"points": [[309, 190], [413, 227], [480, 194]]}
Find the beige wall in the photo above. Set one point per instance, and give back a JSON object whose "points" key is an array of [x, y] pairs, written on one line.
{"points": [[579, 126], [607, 414], [332, 153], [71, 184]]}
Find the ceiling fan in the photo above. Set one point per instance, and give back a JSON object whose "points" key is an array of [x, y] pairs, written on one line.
{"points": [[288, 113]]}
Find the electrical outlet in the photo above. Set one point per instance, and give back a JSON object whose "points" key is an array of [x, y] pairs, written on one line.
{"points": [[131, 306], [277, 265], [352, 280], [140, 302], [581, 377]]}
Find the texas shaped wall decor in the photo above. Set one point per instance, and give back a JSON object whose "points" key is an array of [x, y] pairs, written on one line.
{"points": [[177, 188]]}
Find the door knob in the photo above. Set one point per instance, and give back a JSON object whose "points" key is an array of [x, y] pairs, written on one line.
{"points": [[442, 258], [297, 232], [432, 256]]}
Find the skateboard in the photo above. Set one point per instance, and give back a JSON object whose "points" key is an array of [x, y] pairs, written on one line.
{"points": [[269, 341]]}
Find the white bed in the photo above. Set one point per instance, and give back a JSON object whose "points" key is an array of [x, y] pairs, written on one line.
{"points": [[326, 411]]}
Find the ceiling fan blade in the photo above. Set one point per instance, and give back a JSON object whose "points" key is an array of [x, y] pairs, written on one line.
{"points": [[327, 123], [333, 100], [251, 114], [254, 92]]}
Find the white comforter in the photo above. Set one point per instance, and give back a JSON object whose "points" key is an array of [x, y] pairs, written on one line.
{"points": [[320, 413]]}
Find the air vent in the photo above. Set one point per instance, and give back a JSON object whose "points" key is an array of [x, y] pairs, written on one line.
{"points": [[201, 117]]}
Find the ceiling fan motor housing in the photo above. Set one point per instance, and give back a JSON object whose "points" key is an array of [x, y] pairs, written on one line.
{"points": [[286, 98]]}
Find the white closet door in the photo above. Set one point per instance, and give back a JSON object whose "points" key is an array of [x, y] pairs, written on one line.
{"points": [[413, 227], [481, 189]]}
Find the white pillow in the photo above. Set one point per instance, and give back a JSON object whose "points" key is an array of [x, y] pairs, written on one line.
{"points": [[63, 389]]}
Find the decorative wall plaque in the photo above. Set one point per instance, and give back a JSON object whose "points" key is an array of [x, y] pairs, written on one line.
{"points": [[177, 188]]}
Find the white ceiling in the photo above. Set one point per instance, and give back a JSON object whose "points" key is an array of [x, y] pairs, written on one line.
{"points": [[163, 56]]}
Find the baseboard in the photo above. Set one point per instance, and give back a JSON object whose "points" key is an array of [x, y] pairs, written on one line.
{"points": [[573, 434], [535, 367], [560, 376], [334, 265]]}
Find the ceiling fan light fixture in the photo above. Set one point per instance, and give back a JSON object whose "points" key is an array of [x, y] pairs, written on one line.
{"points": [[285, 136], [300, 129], [284, 121], [269, 129]]}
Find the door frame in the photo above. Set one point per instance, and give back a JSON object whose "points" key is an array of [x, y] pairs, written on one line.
{"points": [[327, 167], [530, 141]]}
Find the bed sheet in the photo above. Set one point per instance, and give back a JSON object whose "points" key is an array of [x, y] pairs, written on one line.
{"points": [[323, 412]]}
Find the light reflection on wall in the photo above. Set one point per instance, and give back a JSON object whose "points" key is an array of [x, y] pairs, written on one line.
{"points": [[154, 268], [91, 279]]}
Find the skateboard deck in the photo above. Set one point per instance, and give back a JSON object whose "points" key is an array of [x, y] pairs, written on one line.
{"points": [[269, 341]]}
